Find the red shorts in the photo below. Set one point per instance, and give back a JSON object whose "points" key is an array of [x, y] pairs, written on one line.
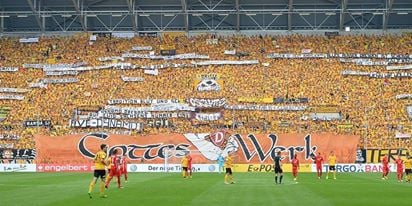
{"points": [[399, 171], [114, 172], [385, 169], [318, 167], [294, 169]]}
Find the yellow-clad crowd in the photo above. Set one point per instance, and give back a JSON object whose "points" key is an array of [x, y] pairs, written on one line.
{"points": [[368, 105]]}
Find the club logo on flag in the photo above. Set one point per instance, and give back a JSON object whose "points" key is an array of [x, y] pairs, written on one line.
{"points": [[219, 138], [208, 85]]}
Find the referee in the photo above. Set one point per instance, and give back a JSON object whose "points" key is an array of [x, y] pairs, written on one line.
{"points": [[278, 169]]}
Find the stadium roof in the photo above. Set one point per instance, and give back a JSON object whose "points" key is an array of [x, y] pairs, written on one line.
{"points": [[192, 15]]}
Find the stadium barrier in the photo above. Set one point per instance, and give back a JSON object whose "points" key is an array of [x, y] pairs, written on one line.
{"points": [[170, 168], [64, 167], [268, 168], [213, 168], [370, 167]]}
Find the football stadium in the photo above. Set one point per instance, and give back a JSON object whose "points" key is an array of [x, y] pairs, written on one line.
{"points": [[205, 102]]}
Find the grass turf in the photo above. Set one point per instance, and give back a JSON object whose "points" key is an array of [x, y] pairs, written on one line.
{"points": [[170, 189]]}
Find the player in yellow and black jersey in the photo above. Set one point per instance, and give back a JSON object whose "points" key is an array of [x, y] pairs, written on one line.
{"points": [[332, 165], [408, 168], [228, 167], [100, 162]]}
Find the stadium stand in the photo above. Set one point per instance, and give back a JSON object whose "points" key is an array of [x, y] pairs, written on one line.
{"points": [[366, 106]]}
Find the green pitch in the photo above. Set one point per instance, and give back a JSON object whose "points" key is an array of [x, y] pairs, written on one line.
{"points": [[170, 189]]}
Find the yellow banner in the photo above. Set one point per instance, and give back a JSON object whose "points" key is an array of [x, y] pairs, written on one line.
{"points": [[255, 100], [51, 61], [269, 168], [345, 126], [167, 47], [376, 155], [174, 34]]}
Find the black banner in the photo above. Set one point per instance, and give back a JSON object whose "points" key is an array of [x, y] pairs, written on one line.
{"points": [[148, 34], [170, 52], [360, 156], [12, 155], [330, 34], [37, 123]]}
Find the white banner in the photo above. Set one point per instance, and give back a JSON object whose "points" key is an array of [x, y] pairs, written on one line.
{"points": [[226, 62], [295, 56], [11, 97], [13, 90], [306, 51], [207, 103], [179, 56], [376, 75], [29, 40], [404, 96], [33, 66], [106, 123], [230, 52], [403, 135], [61, 73], [364, 62], [171, 168], [330, 116], [409, 111], [17, 167], [105, 59], [9, 137], [9, 69], [59, 81], [154, 72], [142, 101], [265, 107], [54, 67], [142, 48], [208, 116], [402, 67], [120, 65], [165, 66], [162, 115], [136, 115], [163, 107], [6, 145], [127, 35], [132, 79], [38, 85], [332, 55], [212, 41], [62, 67]]}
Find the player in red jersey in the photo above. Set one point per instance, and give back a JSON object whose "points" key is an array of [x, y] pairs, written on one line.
{"points": [[295, 167], [318, 162], [114, 168], [123, 168], [399, 168], [385, 167], [189, 165]]}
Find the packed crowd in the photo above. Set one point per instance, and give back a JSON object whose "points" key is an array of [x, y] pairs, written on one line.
{"points": [[368, 105]]}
